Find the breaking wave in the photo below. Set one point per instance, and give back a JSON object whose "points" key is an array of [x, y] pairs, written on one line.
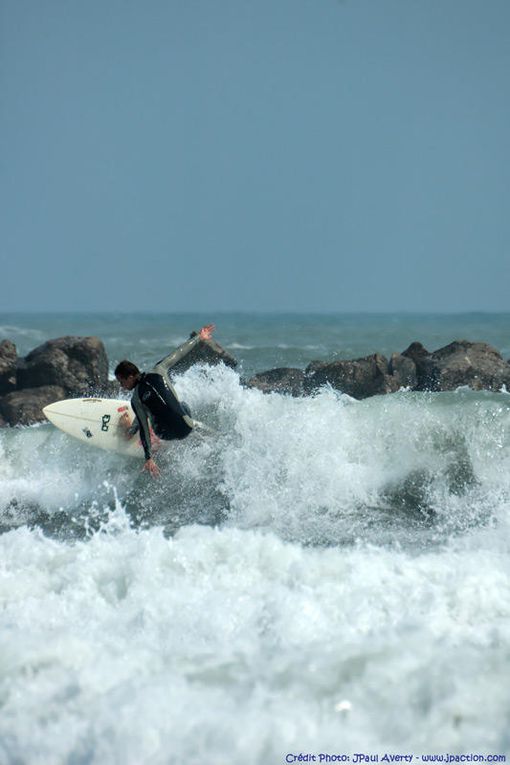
{"points": [[308, 574]]}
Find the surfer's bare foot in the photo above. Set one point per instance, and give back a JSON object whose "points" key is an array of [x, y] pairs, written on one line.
{"points": [[206, 332], [151, 467]]}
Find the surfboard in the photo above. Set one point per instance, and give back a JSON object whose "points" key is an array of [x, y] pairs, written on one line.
{"points": [[97, 422]]}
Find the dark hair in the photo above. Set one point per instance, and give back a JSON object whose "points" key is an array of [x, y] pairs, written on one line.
{"points": [[125, 369]]}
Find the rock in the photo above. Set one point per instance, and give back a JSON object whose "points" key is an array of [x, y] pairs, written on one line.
{"points": [[478, 365], [460, 363], [359, 378], [8, 359], [24, 407], [427, 372], [281, 380], [205, 352], [111, 389], [403, 369], [77, 364]]}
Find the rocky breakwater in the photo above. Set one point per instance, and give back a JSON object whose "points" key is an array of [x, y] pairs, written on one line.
{"points": [[461, 363], [69, 367], [60, 368]]}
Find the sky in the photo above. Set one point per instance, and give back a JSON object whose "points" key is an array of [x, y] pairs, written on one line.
{"points": [[256, 155]]}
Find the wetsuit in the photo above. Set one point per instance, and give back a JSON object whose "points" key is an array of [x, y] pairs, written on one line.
{"points": [[154, 400]]}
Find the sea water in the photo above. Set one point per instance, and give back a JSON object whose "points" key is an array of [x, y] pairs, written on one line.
{"points": [[315, 576]]}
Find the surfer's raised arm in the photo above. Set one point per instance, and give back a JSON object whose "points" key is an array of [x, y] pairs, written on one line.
{"points": [[167, 362]]}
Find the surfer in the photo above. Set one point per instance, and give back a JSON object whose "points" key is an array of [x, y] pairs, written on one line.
{"points": [[155, 401]]}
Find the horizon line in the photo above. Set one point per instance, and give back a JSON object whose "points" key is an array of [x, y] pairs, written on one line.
{"points": [[256, 312]]}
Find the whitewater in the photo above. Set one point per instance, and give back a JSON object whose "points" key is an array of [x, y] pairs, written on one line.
{"points": [[313, 575]]}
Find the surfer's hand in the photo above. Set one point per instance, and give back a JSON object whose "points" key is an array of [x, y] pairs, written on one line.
{"points": [[206, 332], [151, 467]]}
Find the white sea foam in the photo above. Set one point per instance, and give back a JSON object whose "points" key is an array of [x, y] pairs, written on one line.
{"points": [[354, 597], [231, 646]]}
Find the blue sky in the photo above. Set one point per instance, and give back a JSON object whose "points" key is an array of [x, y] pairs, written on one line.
{"points": [[296, 155]]}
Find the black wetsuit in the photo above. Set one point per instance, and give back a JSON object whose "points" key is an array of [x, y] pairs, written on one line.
{"points": [[154, 401]]}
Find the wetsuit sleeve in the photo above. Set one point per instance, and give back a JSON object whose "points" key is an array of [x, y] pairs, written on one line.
{"points": [[171, 360], [143, 422]]}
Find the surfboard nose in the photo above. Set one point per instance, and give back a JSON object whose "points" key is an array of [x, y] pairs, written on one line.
{"points": [[47, 410]]}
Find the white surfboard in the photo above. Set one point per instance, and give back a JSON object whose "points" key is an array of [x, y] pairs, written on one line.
{"points": [[96, 422]]}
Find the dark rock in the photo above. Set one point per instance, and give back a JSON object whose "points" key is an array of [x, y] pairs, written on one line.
{"points": [[77, 364], [282, 380], [462, 362], [110, 389], [478, 365], [359, 378], [314, 366], [8, 359], [427, 371], [416, 351], [403, 369], [24, 407], [205, 352]]}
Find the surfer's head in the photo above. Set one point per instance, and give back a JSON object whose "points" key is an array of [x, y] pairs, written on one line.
{"points": [[127, 374]]}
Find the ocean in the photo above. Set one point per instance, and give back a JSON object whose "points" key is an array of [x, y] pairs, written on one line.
{"points": [[313, 578]]}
